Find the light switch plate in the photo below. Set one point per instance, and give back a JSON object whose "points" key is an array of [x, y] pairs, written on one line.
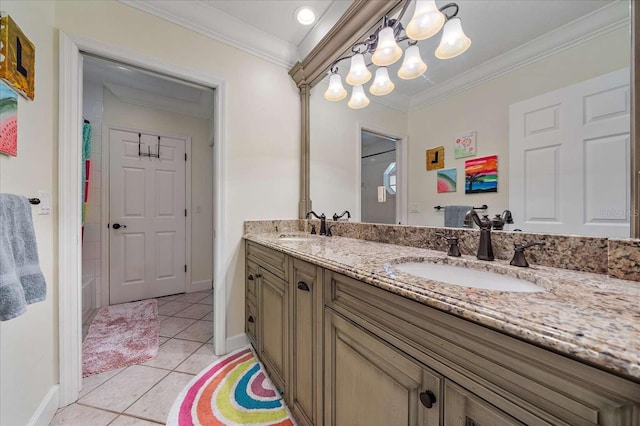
{"points": [[45, 202]]}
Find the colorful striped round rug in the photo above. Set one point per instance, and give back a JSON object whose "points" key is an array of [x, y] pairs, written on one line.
{"points": [[234, 390]]}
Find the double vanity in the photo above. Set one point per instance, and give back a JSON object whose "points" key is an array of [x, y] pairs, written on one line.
{"points": [[356, 332]]}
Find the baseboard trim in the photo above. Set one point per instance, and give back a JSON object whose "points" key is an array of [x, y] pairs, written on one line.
{"points": [[201, 285], [236, 342], [47, 408]]}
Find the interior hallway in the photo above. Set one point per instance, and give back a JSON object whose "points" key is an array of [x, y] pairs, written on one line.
{"points": [[142, 394]]}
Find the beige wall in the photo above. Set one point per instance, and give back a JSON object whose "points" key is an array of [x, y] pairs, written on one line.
{"points": [[485, 108], [261, 178], [29, 343], [119, 114], [262, 117], [335, 148]]}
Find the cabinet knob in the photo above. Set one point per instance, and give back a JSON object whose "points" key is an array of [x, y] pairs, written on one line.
{"points": [[303, 286], [427, 398], [250, 278], [258, 275], [250, 319]]}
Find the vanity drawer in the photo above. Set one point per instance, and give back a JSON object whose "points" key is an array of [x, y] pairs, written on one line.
{"points": [[251, 323], [251, 280], [534, 385], [272, 260]]}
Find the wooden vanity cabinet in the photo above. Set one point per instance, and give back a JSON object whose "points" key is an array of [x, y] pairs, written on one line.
{"points": [[289, 317], [269, 330], [368, 382], [490, 378], [306, 314], [348, 353]]}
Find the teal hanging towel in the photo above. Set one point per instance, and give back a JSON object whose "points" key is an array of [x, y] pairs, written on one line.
{"points": [[86, 163]]}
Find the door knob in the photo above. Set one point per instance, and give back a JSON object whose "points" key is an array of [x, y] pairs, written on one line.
{"points": [[427, 398], [118, 226]]}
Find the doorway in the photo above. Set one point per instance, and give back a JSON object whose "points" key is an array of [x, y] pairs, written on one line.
{"points": [[144, 126], [148, 215], [70, 202], [379, 178]]}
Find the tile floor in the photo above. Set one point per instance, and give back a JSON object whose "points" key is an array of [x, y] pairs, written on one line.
{"points": [[143, 394]]}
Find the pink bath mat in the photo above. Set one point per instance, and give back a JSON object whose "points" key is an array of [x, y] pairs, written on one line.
{"points": [[121, 335]]}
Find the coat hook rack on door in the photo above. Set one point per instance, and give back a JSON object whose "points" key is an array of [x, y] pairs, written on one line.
{"points": [[148, 153]]}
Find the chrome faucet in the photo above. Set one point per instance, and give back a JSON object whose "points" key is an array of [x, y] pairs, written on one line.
{"points": [[336, 217], [485, 249], [499, 221], [323, 222]]}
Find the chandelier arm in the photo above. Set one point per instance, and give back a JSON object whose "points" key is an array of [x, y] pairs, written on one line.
{"points": [[402, 12], [448, 6], [333, 68]]}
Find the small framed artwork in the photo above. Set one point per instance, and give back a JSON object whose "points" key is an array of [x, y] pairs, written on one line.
{"points": [[435, 158], [17, 58], [465, 145], [8, 120], [447, 180], [481, 175]]}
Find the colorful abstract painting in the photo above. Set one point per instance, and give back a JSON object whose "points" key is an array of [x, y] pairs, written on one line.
{"points": [[465, 146], [481, 175], [435, 158], [17, 58], [8, 120], [447, 180]]}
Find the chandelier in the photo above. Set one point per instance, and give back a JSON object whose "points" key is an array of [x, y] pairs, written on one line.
{"points": [[383, 46]]}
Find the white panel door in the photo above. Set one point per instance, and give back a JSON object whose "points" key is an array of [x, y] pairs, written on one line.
{"points": [[147, 245], [569, 159]]}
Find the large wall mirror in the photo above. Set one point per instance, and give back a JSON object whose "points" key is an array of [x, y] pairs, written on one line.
{"points": [[545, 87]]}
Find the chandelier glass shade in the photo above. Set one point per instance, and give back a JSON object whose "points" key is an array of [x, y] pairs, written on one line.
{"points": [[426, 22], [454, 41], [358, 98], [358, 73], [413, 66], [383, 46], [382, 85], [388, 52], [336, 91]]}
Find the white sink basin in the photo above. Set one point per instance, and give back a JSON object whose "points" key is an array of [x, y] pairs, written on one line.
{"points": [[467, 277]]}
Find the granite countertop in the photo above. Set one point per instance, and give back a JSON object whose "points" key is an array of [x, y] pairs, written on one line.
{"points": [[589, 317]]}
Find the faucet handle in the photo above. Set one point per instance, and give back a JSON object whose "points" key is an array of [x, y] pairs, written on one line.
{"points": [[518, 254], [313, 229], [329, 233], [526, 245], [454, 249]]}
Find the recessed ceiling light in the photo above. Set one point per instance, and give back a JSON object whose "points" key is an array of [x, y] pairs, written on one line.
{"points": [[305, 15]]}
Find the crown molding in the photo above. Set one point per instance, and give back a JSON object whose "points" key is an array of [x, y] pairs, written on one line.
{"points": [[215, 24], [599, 22], [143, 98]]}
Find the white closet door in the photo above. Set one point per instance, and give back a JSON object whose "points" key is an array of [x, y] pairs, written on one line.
{"points": [[569, 159], [147, 201]]}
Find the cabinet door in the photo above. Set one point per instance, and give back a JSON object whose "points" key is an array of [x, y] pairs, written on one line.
{"points": [[251, 323], [251, 280], [305, 387], [368, 382], [273, 311], [463, 408]]}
